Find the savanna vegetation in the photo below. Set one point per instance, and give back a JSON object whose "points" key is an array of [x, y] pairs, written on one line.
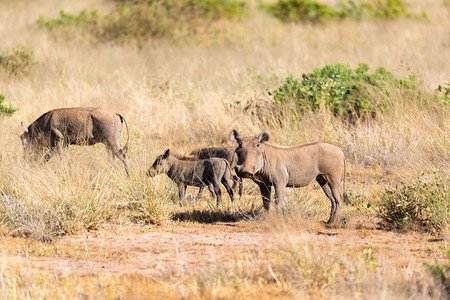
{"points": [[368, 76]]}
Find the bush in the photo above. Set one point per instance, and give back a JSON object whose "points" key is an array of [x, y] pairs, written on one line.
{"points": [[443, 93], [17, 60], [311, 10], [69, 25], [422, 206], [144, 19], [86, 17], [301, 10], [380, 9], [7, 110], [348, 93]]}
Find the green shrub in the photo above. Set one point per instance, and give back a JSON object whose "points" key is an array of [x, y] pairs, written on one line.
{"points": [[422, 206], [312, 10], [144, 19], [65, 19], [218, 9], [301, 10], [208, 9], [348, 93], [7, 110], [69, 25], [17, 61], [379, 9], [443, 93]]}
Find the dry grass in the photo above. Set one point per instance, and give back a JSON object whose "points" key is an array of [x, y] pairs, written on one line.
{"points": [[184, 96]]}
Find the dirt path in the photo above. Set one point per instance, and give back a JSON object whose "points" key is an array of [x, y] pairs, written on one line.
{"points": [[151, 253], [156, 250]]}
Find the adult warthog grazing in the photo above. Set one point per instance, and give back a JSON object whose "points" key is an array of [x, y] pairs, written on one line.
{"points": [[226, 153], [198, 172], [269, 165], [58, 128]]}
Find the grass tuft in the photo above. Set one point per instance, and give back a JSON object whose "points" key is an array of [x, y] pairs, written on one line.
{"points": [[423, 205], [17, 61]]}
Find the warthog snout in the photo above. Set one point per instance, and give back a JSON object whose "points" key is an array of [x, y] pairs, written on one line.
{"points": [[151, 172], [244, 173]]}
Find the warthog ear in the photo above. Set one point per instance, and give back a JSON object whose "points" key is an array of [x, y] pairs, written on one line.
{"points": [[234, 136], [166, 154], [264, 136], [24, 127]]}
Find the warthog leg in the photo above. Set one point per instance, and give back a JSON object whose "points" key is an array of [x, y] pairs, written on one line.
{"points": [[241, 183], [334, 185], [331, 195], [279, 195], [56, 143], [199, 194], [237, 181], [123, 157], [211, 189], [217, 191], [228, 186], [200, 191], [265, 192], [181, 192]]}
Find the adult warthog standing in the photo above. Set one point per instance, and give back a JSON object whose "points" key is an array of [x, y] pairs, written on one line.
{"points": [[58, 128], [270, 165]]}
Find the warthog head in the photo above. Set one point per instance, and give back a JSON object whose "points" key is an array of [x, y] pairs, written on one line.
{"points": [[161, 164], [250, 153], [29, 149]]}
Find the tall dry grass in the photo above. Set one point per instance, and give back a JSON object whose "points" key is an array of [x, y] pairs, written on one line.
{"points": [[190, 95], [186, 96]]}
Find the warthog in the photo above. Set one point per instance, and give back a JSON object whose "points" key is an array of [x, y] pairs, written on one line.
{"points": [[59, 128], [198, 172], [270, 165], [225, 153]]}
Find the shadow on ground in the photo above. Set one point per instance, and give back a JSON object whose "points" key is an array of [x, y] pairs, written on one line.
{"points": [[211, 216]]}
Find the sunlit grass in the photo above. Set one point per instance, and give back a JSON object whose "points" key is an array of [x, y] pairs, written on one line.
{"points": [[187, 96]]}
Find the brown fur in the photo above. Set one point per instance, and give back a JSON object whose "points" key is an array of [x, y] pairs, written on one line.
{"points": [[270, 165], [226, 153], [194, 172], [59, 128]]}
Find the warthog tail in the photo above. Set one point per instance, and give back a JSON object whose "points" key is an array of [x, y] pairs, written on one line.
{"points": [[228, 166], [122, 119]]}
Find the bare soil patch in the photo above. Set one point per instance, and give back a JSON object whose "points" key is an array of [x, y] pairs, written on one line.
{"points": [[155, 250]]}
